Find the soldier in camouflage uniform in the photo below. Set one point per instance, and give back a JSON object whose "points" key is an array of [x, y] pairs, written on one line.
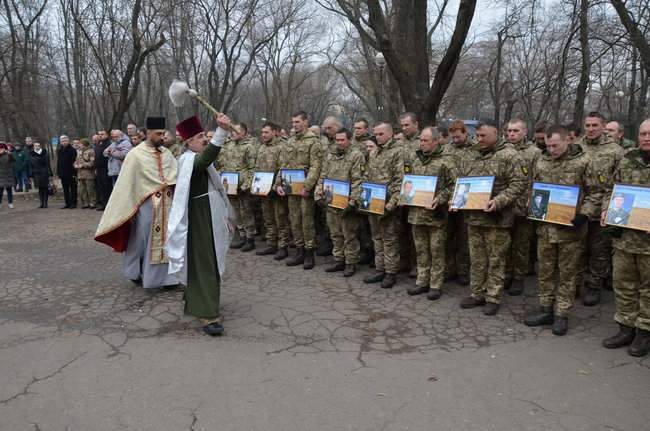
{"points": [[302, 151], [561, 246], [85, 166], [429, 225], [489, 230], [172, 144], [238, 155], [632, 258], [411, 143], [361, 135], [616, 132], [597, 260], [274, 209], [522, 230], [344, 164], [386, 166], [461, 148]]}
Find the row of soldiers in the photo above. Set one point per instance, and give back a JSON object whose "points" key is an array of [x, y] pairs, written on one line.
{"points": [[490, 249]]}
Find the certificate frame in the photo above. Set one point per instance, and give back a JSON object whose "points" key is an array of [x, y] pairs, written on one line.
{"points": [[373, 198], [635, 204], [262, 183], [336, 193], [553, 203], [472, 193], [418, 190], [292, 181], [230, 182]]}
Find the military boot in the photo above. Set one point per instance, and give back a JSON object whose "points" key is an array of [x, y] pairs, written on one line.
{"points": [[238, 241], [389, 281], [349, 270], [624, 337], [491, 309], [517, 288], [336, 267], [591, 297], [434, 294], [471, 302], [267, 251], [281, 254], [417, 290], [641, 344], [542, 316], [249, 245], [560, 325], [298, 258], [309, 261], [374, 278]]}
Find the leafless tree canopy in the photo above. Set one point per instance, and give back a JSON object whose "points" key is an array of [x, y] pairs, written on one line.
{"points": [[72, 66]]}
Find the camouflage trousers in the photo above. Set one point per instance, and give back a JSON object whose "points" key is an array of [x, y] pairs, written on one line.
{"points": [[365, 236], [488, 251], [558, 263], [632, 289], [301, 218], [430, 249], [344, 232], [276, 223], [385, 236], [241, 204], [519, 256], [596, 260], [87, 196], [457, 246]]}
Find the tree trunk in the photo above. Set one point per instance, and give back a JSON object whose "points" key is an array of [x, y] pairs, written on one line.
{"points": [[581, 91]]}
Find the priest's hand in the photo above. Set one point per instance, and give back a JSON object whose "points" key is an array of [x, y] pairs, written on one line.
{"points": [[223, 121]]}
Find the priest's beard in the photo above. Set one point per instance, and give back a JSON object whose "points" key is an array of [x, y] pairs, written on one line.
{"points": [[157, 144]]}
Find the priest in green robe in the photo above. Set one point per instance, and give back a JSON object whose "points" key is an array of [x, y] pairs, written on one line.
{"points": [[201, 223]]}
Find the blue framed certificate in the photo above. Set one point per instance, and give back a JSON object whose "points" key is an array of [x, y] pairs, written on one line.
{"points": [[472, 193], [336, 193], [373, 198], [230, 181], [554, 203], [292, 181], [629, 207], [418, 190], [262, 183]]}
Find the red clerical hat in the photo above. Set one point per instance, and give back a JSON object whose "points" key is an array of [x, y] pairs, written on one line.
{"points": [[189, 128]]}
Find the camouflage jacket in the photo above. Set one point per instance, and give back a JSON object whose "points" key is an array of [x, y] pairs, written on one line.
{"points": [[176, 149], [573, 168], [411, 145], [303, 151], [436, 163], [386, 166], [238, 156], [627, 144], [634, 168], [348, 165], [605, 155], [529, 153], [461, 153], [85, 163], [505, 165], [268, 156], [358, 143]]}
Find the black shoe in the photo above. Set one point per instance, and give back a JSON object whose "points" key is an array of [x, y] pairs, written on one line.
{"points": [[517, 288], [591, 297], [641, 344], [298, 258], [463, 280], [72, 207], [624, 337], [417, 290], [336, 267], [85, 207], [65, 207], [542, 316], [471, 302], [309, 259], [99, 208], [281, 254], [137, 281], [248, 245], [374, 278], [491, 308], [349, 270], [45, 205], [213, 329], [238, 241], [560, 325], [389, 281], [267, 251], [434, 294]]}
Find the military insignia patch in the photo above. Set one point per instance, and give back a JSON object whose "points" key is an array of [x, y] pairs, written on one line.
{"points": [[601, 178], [407, 169], [524, 169]]}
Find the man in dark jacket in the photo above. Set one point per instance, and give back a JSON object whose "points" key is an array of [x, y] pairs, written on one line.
{"points": [[66, 156], [104, 185], [21, 167]]}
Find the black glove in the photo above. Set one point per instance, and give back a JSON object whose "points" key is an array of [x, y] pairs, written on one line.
{"points": [[321, 203], [348, 211], [271, 194], [579, 220]]}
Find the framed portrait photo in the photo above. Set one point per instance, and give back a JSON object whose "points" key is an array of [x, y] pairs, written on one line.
{"points": [[373, 198], [629, 207], [230, 181], [418, 190], [472, 193], [292, 181], [553, 203], [262, 183], [336, 193]]}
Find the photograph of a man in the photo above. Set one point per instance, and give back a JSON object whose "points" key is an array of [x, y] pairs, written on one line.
{"points": [[408, 193], [617, 213], [539, 205], [461, 196]]}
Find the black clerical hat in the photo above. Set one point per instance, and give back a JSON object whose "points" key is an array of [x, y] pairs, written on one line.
{"points": [[155, 123]]}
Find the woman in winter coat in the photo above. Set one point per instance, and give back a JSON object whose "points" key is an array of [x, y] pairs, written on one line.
{"points": [[6, 174], [41, 171]]}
